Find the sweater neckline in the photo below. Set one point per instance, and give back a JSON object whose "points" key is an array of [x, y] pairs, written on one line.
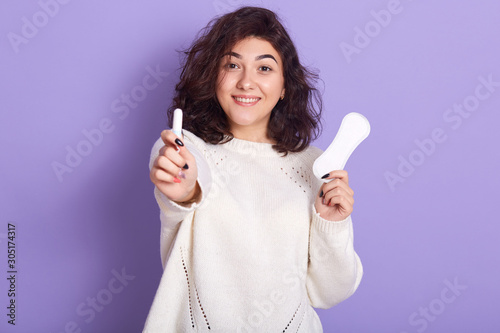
{"points": [[244, 146]]}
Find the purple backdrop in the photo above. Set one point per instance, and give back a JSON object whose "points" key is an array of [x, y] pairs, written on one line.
{"points": [[84, 88]]}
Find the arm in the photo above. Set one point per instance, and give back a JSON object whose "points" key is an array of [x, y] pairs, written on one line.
{"points": [[334, 270], [176, 200]]}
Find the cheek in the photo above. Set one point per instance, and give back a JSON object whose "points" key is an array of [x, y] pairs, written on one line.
{"points": [[274, 88], [224, 86], [219, 93]]}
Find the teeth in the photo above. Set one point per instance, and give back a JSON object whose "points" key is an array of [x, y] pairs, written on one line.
{"points": [[246, 100]]}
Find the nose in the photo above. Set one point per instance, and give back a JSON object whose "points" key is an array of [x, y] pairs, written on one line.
{"points": [[246, 80]]}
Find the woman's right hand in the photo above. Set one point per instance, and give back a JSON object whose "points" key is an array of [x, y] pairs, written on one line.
{"points": [[174, 171]]}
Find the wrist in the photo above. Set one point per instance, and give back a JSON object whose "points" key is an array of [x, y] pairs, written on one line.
{"points": [[192, 197]]}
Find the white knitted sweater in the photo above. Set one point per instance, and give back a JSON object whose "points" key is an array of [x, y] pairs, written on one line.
{"points": [[253, 255]]}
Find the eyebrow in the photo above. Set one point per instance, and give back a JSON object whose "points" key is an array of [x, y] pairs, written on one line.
{"points": [[260, 57]]}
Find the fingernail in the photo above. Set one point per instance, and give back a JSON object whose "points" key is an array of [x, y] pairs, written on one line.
{"points": [[182, 175], [321, 194], [176, 180], [325, 176], [186, 166], [179, 142]]}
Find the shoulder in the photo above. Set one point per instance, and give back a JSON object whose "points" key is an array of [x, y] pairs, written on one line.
{"points": [[313, 151], [305, 158], [309, 154]]}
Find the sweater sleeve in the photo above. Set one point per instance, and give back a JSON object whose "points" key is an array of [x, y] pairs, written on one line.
{"points": [[171, 213], [334, 269]]}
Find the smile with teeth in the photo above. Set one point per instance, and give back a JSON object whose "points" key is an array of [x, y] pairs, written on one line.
{"points": [[246, 100]]}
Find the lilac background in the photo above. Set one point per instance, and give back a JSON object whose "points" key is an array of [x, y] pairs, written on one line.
{"points": [[439, 225]]}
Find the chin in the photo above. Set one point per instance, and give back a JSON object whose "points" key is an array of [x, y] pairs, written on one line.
{"points": [[243, 123], [238, 120]]}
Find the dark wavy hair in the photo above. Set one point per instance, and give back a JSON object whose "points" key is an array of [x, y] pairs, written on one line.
{"points": [[294, 121]]}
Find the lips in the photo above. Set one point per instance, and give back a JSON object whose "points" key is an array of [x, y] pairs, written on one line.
{"points": [[246, 100]]}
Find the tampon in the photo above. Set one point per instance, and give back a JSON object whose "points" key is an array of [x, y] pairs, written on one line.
{"points": [[177, 123]]}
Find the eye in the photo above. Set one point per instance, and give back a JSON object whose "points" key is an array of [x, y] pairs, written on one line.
{"points": [[265, 69], [231, 66]]}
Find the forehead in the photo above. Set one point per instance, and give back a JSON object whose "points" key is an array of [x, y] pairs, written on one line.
{"points": [[253, 47]]}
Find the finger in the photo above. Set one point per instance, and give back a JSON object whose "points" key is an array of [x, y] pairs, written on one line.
{"points": [[342, 204], [181, 160], [337, 193], [170, 139], [341, 174], [159, 175], [337, 183], [176, 158], [165, 164]]}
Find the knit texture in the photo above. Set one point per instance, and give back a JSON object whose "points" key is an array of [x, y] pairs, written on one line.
{"points": [[253, 255]]}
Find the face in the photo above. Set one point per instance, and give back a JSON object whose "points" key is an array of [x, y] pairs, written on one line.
{"points": [[250, 84]]}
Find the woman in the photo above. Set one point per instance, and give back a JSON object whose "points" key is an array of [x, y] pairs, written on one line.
{"points": [[250, 240]]}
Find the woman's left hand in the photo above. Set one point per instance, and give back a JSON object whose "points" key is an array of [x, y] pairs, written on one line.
{"points": [[335, 199]]}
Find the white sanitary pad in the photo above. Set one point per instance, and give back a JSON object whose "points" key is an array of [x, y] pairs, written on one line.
{"points": [[353, 130]]}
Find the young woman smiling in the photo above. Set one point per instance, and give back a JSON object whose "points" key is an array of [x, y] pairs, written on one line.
{"points": [[251, 241], [251, 84]]}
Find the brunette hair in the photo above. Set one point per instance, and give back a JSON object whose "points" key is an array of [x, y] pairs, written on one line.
{"points": [[294, 121]]}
